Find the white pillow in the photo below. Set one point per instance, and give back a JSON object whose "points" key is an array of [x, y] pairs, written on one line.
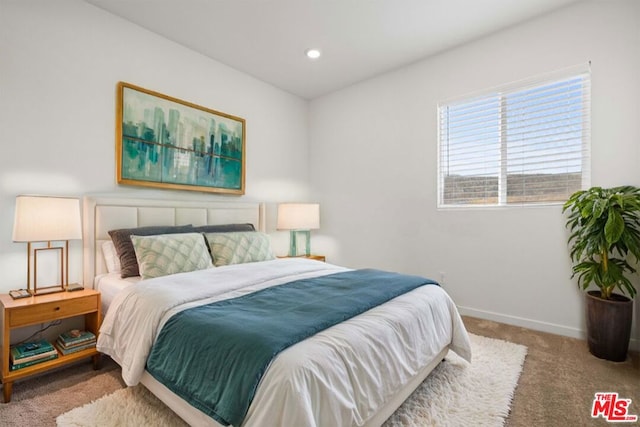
{"points": [[111, 258]]}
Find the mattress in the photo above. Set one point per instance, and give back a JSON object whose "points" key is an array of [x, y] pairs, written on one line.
{"points": [[110, 285]]}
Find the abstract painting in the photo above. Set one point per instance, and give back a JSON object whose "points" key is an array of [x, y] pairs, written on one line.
{"points": [[168, 143]]}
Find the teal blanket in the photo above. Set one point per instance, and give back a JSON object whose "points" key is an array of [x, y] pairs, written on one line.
{"points": [[214, 356]]}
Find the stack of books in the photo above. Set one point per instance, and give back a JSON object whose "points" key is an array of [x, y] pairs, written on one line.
{"points": [[29, 353], [75, 340]]}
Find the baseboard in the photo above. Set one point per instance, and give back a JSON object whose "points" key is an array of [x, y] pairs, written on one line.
{"points": [[536, 325]]}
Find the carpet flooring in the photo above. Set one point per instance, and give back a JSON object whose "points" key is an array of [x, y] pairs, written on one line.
{"points": [[556, 387], [560, 378]]}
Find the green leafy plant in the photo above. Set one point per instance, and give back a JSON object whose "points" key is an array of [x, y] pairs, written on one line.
{"points": [[605, 227]]}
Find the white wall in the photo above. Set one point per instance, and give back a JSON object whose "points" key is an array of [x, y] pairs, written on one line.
{"points": [[59, 65], [373, 169], [372, 146]]}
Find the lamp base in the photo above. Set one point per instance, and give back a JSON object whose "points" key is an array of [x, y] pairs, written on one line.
{"points": [[293, 246], [46, 290], [293, 243], [63, 253]]}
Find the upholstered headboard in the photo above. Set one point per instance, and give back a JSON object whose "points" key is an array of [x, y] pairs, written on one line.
{"points": [[101, 214]]}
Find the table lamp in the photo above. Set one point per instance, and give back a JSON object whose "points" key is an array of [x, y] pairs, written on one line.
{"points": [[299, 218], [44, 219]]}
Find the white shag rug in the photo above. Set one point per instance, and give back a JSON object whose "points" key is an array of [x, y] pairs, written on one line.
{"points": [[456, 393]]}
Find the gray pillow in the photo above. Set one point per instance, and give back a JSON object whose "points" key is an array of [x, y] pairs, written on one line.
{"points": [[124, 248], [223, 228]]}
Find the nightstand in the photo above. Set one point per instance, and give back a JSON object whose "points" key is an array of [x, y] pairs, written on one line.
{"points": [[316, 257], [34, 310]]}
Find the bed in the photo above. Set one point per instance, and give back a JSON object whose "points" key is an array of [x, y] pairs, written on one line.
{"points": [[356, 372]]}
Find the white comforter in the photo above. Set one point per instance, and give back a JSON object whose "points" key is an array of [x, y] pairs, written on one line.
{"points": [[338, 377]]}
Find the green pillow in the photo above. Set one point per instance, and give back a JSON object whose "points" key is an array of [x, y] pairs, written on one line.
{"points": [[239, 247], [166, 254]]}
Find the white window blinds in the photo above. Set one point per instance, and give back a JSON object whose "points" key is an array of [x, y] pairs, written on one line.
{"points": [[517, 145]]}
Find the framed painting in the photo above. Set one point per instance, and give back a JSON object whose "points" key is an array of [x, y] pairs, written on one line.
{"points": [[165, 142]]}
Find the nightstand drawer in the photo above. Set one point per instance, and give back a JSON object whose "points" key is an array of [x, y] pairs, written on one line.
{"points": [[46, 312]]}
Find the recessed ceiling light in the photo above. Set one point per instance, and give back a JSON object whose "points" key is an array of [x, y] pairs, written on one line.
{"points": [[312, 53]]}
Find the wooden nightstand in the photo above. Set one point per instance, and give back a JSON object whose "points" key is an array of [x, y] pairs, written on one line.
{"points": [[23, 312], [316, 257]]}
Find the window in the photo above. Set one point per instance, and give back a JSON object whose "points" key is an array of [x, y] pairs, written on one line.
{"points": [[516, 145]]}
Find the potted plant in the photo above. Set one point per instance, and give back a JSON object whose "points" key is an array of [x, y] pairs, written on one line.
{"points": [[605, 228]]}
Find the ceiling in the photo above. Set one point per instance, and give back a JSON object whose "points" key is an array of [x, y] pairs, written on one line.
{"points": [[359, 39]]}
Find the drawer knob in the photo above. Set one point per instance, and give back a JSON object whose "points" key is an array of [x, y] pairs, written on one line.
{"points": [[57, 308]]}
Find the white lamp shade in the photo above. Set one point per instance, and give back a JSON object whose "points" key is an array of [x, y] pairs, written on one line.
{"points": [[42, 218], [298, 216]]}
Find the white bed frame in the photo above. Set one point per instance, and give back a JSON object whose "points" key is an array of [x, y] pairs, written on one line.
{"points": [[196, 418], [104, 213]]}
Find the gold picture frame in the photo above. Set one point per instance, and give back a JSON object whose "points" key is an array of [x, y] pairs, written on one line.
{"points": [[165, 142]]}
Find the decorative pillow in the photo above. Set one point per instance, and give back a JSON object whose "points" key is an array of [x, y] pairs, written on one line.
{"points": [[170, 254], [239, 247], [124, 248], [111, 257], [223, 228]]}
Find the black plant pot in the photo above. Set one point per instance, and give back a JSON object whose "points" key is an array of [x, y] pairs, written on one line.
{"points": [[609, 326]]}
